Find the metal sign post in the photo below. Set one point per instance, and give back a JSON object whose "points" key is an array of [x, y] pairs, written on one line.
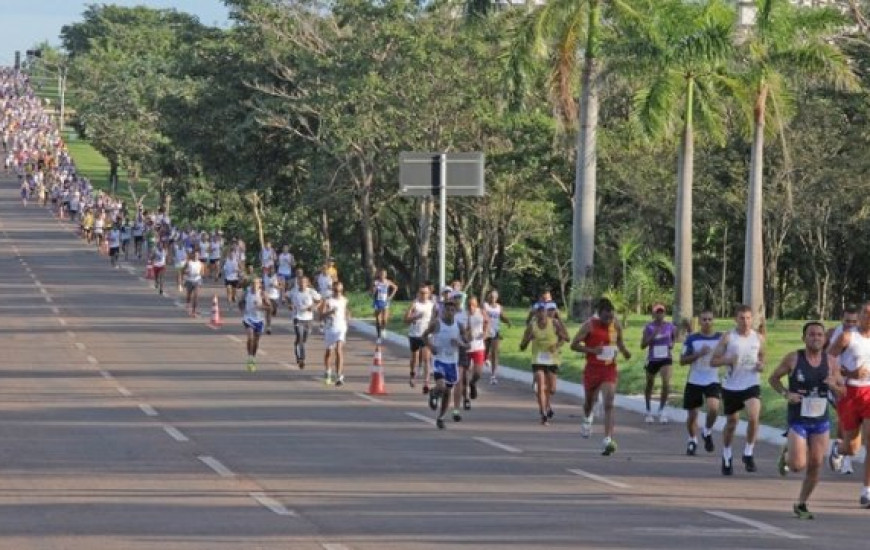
{"points": [[428, 174]]}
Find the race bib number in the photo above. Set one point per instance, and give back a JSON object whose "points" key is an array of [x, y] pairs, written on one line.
{"points": [[544, 358], [608, 353], [813, 407], [747, 362], [661, 352]]}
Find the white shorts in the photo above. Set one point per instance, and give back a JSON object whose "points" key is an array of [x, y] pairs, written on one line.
{"points": [[332, 336]]}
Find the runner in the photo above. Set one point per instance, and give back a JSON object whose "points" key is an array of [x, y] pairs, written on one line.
{"points": [[114, 242], [303, 300], [285, 265], [138, 236], [849, 323], [702, 385], [231, 277], [475, 326], [125, 239], [658, 339], [324, 283], [273, 292], [495, 312], [267, 255], [600, 338], [809, 383], [853, 409], [335, 315], [215, 253], [742, 351], [158, 262], [444, 339], [546, 336], [383, 291], [418, 318], [192, 281], [253, 305], [179, 257]]}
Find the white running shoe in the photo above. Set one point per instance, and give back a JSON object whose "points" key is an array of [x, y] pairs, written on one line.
{"points": [[835, 459], [846, 467], [663, 417], [586, 429], [649, 418]]}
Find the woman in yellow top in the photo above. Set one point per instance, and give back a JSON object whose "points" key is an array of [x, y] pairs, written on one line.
{"points": [[88, 225], [546, 334]]}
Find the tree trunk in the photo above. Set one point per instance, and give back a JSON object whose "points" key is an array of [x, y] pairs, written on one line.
{"points": [[325, 241], [113, 176], [424, 239], [366, 236], [753, 265], [723, 309], [583, 223], [683, 244], [254, 199]]}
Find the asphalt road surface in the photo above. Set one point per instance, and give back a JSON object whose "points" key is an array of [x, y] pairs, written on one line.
{"points": [[124, 423]]}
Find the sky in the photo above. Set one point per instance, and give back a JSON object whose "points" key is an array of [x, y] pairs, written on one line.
{"points": [[24, 23]]}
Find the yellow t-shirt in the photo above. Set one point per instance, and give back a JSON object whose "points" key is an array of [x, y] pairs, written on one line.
{"points": [[543, 341]]}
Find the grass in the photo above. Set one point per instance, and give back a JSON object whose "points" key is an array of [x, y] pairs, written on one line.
{"points": [[782, 337]]}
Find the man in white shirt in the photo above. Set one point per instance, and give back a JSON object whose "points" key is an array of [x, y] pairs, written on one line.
{"points": [[303, 300]]}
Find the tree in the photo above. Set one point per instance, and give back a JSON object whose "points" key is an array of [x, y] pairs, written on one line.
{"points": [[786, 43]]}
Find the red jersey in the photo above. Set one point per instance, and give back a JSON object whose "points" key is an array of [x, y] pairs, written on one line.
{"points": [[604, 335]]}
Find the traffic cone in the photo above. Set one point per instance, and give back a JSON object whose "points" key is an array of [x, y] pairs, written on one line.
{"points": [[215, 314], [376, 382]]}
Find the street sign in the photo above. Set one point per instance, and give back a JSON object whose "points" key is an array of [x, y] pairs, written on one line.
{"points": [[420, 174]]}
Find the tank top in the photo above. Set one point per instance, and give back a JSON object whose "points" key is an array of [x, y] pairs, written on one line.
{"points": [[604, 335], [253, 303], [475, 327], [543, 340], [270, 285], [382, 291], [859, 348], [494, 313], [159, 258], [809, 381], [194, 271], [418, 326], [743, 375], [445, 351]]}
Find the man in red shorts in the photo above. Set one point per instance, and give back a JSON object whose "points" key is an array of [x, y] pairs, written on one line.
{"points": [[600, 338]]}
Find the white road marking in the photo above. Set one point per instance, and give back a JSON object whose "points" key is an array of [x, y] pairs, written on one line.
{"points": [[140, 278], [71, 334], [334, 546], [124, 391], [80, 346], [62, 322], [55, 310], [599, 479], [42, 289], [761, 526], [289, 366], [369, 398], [175, 434], [270, 503], [419, 416], [48, 300], [217, 466], [92, 360], [106, 374], [261, 352], [148, 409], [235, 339], [497, 445]]}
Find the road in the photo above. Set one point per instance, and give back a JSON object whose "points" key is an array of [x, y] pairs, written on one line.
{"points": [[126, 424]]}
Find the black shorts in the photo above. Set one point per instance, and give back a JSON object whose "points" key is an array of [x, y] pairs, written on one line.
{"points": [[694, 395], [233, 284], [735, 400], [549, 369], [138, 239], [113, 251], [416, 343], [653, 366], [464, 359]]}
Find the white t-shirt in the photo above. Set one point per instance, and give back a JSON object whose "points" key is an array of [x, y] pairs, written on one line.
{"points": [[285, 264], [336, 321], [253, 305], [417, 327], [324, 284], [859, 348], [474, 322], [303, 303], [494, 313], [114, 238], [445, 350], [701, 373], [193, 271], [231, 270], [270, 285], [743, 375]]}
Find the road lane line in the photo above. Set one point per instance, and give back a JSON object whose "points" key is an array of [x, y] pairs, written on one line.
{"points": [[148, 409], [92, 360], [235, 339], [369, 398], [175, 434], [289, 366], [71, 334], [124, 391], [419, 416], [61, 321], [48, 300], [334, 546], [216, 465], [761, 526], [106, 374], [270, 503], [80, 346], [599, 479], [42, 289], [55, 310], [497, 445]]}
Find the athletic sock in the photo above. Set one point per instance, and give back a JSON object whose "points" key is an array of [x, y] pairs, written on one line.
{"points": [[726, 453], [694, 440], [865, 492], [748, 448], [705, 432]]}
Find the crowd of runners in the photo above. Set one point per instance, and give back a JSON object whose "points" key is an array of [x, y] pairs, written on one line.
{"points": [[454, 338]]}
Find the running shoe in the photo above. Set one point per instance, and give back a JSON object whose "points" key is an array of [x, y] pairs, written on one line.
{"points": [[411, 378], [586, 429], [749, 463], [727, 467], [544, 420], [800, 510], [327, 378], [456, 416], [550, 413], [609, 446], [466, 404], [864, 501], [691, 447], [425, 389], [835, 459], [440, 423], [782, 465], [493, 380], [251, 365], [472, 390], [301, 364], [433, 400], [649, 418], [846, 469], [268, 331], [340, 381], [708, 443], [663, 417]]}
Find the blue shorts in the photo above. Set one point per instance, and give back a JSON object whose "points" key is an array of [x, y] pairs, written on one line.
{"points": [[380, 305], [805, 428], [257, 326], [446, 371]]}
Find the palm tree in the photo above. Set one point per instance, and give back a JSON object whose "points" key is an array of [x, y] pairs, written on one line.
{"points": [[685, 49], [786, 43], [561, 31]]}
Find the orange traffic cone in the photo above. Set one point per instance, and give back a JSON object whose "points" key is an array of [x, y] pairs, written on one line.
{"points": [[215, 314], [376, 382]]}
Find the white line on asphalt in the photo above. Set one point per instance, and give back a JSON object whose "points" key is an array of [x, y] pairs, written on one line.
{"points": [[761, 526], [270, 503], [148, 409], [92, 360], [599, 479], [55, 310], [334, 546], [175, 434], [80, 346], [71, 334], [289, 366], [419, 416], [216, 465], [106, 374], [62, 322], [48, 300], [124, 391], [235, 339], [497, 445], [42, 289], [140, 278], [262, 352], [369, 398]]}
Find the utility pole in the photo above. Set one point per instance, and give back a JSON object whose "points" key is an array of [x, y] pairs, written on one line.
{"points": [[62, 88]]}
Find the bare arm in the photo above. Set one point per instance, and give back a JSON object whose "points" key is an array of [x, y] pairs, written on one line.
{"points": [[719, 358], [620, 342], [527, 337], [580, 337], [785, 367]]}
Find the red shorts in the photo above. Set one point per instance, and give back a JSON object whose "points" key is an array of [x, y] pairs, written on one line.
{"points": [[477, 358], [854, 407], [595, 375], [159, 269]]}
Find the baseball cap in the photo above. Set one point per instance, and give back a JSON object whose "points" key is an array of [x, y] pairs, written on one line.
{"points": [[446, 288], [658, 308]]}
